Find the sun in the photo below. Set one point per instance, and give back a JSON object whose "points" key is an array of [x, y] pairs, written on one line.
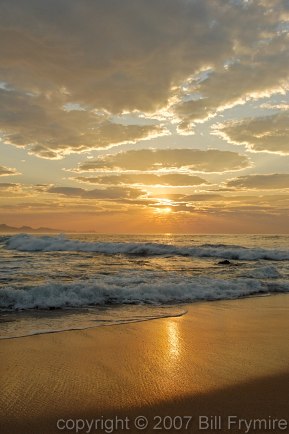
{"points": [[165, 210], [163, 206]]}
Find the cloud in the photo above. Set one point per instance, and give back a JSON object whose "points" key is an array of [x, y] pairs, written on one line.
{"points": [[171, 179], [114, 55], [153, 159], [101, 194], [10, 190], [8, 171], [275, 106], [268, 133], [207, 197], [261, 182], [258, 78], [8, 186], [259, 67], [49, 131], [118, 57]]}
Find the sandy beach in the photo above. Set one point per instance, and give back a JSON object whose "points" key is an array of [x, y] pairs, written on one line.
{"points": [[220, 359]]}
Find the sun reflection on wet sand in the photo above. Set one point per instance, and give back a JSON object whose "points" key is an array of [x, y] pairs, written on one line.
{"points": [[173, 340]]}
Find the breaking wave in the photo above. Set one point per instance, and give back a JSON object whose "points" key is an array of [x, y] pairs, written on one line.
{"points": [[30, 243], [133, 291]]}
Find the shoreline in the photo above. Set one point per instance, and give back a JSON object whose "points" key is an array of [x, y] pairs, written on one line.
{"points": [[184, 305], [219, 358]]}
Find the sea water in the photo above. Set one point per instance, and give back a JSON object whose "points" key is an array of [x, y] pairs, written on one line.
{"points": [[50, 283]]}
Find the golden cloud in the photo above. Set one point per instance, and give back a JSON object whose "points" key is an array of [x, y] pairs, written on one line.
{"points": [[268, 133], [49, 131], [9, 186], [8, 171], [261, 182], [170, 179], [211, 160], [110, 193]]}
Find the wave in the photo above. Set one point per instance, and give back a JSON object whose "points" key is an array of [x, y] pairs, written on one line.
{"points": [[133, 291], [269, 272], [30, 243]]}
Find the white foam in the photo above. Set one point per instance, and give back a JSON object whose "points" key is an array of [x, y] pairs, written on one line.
{"points": [[30, 243], [131, 290]]}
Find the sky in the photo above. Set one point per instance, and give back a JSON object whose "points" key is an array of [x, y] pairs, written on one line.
{"points": [[145, 116]]}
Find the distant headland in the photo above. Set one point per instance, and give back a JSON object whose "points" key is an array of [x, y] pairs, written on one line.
{"points": [[11, 229]]}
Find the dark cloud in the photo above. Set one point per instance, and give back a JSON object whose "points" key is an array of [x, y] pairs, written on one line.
{"points": [[268, 133], [171, 179], [113, 55], [261, 182], [153, 159], [136, 55]]}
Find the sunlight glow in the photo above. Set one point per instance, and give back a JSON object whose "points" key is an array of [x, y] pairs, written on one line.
{"points": [[166, 210]]}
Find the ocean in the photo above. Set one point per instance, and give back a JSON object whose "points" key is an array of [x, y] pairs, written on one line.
{"points": [[51, 283]]}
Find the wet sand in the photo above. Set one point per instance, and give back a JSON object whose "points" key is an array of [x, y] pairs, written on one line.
{"points": [[220, 359]]}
